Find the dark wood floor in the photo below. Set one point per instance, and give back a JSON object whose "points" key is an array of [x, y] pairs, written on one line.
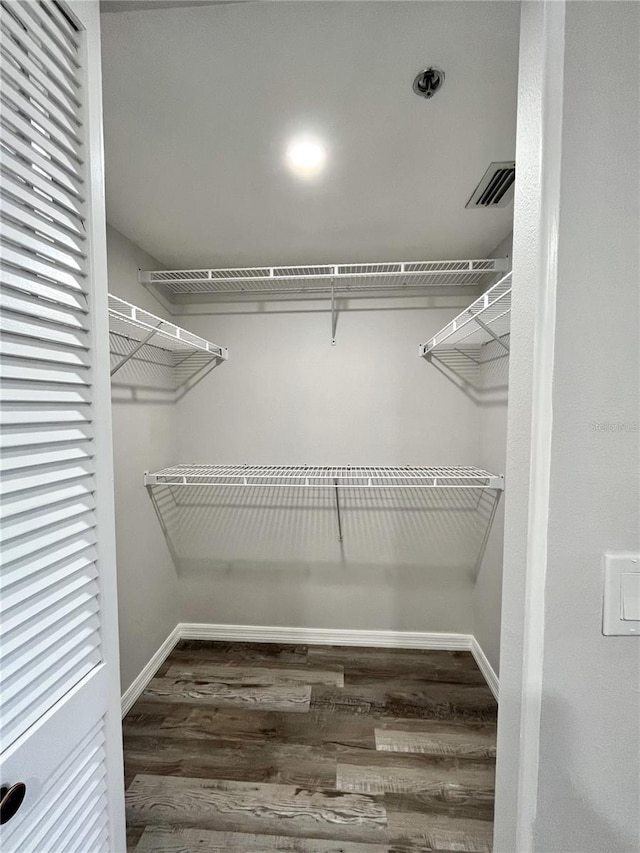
{"points": [[251, 748]]}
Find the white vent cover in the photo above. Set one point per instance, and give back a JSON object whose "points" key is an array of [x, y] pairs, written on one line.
{"points": [[496, 187]]}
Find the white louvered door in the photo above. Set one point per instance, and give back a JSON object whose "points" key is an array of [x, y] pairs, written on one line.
{"points": [[59, 720]]}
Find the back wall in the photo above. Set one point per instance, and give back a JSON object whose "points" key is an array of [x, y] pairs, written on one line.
{"points": [[287, 396]]}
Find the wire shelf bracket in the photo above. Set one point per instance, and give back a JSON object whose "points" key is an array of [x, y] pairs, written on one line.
{"points": [[142, 328], [486, 319]]}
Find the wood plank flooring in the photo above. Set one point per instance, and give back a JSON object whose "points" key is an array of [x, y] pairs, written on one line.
{"points": [[255, 748]]}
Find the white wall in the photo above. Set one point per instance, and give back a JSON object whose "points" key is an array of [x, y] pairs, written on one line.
{"points": [[286, 396], [143, 437], [568, 749], [590, 728]]}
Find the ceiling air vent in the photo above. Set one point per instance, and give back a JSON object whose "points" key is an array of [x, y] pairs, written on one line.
{"points": [[496, 187]]}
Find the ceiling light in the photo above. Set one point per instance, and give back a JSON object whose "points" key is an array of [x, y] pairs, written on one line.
{"points": [[306, 157]]}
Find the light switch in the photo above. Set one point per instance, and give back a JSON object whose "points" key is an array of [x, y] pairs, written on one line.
{"points": [[621, 606], [631, 596]]}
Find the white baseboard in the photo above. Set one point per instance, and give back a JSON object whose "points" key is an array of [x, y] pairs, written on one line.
{"points": [[325, 636], [309, 636], [485, 667], [137, 687]]}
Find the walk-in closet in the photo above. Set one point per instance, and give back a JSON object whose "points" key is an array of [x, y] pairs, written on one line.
{"points": [[260, 433], [310, 210]]}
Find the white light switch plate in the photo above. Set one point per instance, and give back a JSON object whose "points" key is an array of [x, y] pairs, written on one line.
{"points": [[621, 587]]}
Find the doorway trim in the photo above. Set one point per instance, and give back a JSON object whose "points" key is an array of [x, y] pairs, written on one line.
{"points": [[530, 420]]}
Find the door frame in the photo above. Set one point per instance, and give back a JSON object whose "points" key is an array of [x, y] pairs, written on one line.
{"points": [[537, 199], [87, 13], [530, 419]]}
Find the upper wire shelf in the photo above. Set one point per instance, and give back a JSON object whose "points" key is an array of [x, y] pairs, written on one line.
{"points": [[321, 278], [345, 477], [487, 319], [143, 328]]}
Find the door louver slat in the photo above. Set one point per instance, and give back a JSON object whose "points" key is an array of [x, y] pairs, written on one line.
{"points": [[33, 52], [61, 564], [41, 540], [60, 645], [26, 370], [23, 482], [17, 44], [22, 413], [52, 514], [24, 304], [48, 50], [63, 25], [30, 651], [50, 607], [59, 121], [39, 413], [43, 329], [38, 434], [67, 672], [24, 261], [26, 150], [53, 133], [41, 98], [60, 237], [43, 187], [47, 16], [82, 808], [32, 239], [42, 351], [31, 285], [93, 835], [17, 504], [37, 460], [18, 191]]}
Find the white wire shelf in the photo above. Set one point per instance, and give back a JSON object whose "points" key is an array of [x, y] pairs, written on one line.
{"points": [[486, 319], [344, 477], [321, 278], [143, 328]]}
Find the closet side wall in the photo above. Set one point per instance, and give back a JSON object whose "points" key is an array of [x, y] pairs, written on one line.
{"points": [[287, 396], [143, 437]]}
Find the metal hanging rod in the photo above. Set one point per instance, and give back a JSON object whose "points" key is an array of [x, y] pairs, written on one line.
{"points": [[312, 477], [144, 328], [321, 278], [486, 319]]}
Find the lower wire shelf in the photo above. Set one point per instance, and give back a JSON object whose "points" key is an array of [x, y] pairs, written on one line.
{"points": [[335, 478], [345, 477]]}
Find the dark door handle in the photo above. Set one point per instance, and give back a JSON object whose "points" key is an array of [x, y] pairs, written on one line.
{"points": [[11, 798]]}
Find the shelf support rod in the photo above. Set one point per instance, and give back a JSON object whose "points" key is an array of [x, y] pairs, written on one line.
{"points": [[335, 482], [136, 349], [333, 315], [490, 331]]}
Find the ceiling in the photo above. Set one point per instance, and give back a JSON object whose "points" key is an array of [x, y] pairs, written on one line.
{"points": [[134, 5], [201, 101]]}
